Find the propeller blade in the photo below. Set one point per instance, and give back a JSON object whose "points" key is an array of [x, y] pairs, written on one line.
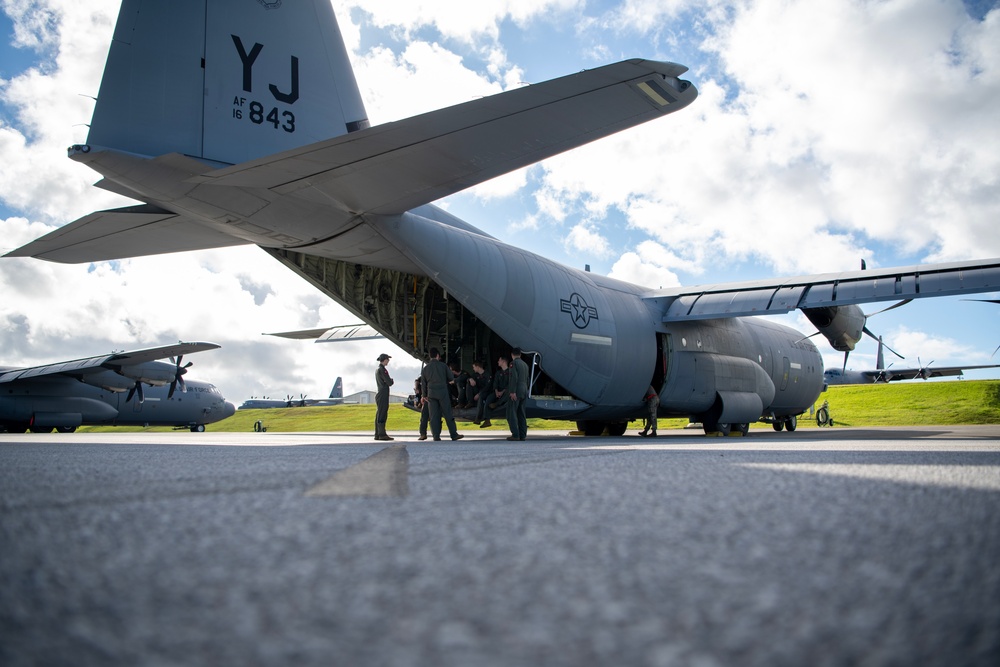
{"points": [[868, 332], [178, 373], [136, 389], [886, 310]]}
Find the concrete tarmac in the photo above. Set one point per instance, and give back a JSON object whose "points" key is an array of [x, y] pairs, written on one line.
{"points": [[838, 546]]}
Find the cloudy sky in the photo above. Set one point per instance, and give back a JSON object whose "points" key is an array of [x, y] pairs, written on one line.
{"points": [[826, 131]]}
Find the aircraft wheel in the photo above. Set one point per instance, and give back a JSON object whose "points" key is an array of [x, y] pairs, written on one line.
{"points": [[198, 428], [617, 428], [744, 429], [40, 429], [791, 423], [65, 429], [778, 424], [721, 429], [591, 427]]}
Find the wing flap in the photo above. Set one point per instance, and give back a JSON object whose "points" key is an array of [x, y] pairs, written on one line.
{"points": [[133, 231], [836, 289], [391, 168]]}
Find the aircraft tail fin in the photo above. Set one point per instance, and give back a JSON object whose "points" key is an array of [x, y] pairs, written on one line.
{"points": [[338, 389], [218, 81]]}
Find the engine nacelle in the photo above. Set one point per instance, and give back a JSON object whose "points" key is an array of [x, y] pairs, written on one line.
{"points": [[108, 380], [152, 372], [843, 326]]}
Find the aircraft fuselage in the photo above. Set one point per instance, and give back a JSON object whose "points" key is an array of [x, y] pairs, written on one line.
{"points": [[64, 403]]}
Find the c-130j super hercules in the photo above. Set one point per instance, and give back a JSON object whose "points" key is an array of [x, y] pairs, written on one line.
{"points": [[239, 122]]}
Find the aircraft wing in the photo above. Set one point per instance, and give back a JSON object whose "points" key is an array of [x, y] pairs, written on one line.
{"points": [[782, 295], [395, 167], [132, 231], [104, 362], [925, 373], [337, 334]]}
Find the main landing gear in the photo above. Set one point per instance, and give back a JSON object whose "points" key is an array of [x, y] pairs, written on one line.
{"points": [[727, 429], [789, 423]]}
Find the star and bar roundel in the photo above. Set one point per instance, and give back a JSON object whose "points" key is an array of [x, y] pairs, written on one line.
{"points": [[578, 309]]}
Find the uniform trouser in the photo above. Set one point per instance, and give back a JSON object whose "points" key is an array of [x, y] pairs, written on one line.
{"points": [[441, 407], [481, 409], [424, 418], [381, 413], [517, 421], [650, 424]]}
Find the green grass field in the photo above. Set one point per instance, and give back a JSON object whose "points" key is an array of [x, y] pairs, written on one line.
{"points": [[898, 404]]}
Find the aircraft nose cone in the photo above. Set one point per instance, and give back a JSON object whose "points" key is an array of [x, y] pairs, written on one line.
{"points": [[228, 409]]}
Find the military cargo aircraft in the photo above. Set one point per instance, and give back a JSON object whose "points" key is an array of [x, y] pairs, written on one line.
{"points": [[336, 398], [108, 390], [880, 373], [238, 122]]}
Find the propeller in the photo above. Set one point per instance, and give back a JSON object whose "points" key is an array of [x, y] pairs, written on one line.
{"points": [[136, 389], [922, 371], [178, 376]]}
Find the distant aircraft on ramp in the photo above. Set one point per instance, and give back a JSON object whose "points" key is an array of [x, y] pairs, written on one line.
{"points": [[837, 376], [336, 398], [108, 390]]}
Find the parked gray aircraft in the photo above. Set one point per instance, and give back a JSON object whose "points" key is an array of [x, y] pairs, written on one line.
{"points": [[236, 123], [336, 398], [108, 390], [835, 376]]}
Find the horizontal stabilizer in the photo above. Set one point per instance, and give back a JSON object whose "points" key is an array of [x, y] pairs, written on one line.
{"points": [[133, 231], [102, 362], [395, 167], [337, 334]]}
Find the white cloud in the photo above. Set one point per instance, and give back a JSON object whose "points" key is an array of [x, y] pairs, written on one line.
{"points": [[649, 266], [583, 238], [851, 124]]}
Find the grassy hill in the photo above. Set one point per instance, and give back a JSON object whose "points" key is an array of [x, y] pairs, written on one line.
{"points": [[896, 404]]}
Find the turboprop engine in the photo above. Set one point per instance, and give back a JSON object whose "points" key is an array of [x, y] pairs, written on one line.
{"points": [[153, 372], [843, 326]]}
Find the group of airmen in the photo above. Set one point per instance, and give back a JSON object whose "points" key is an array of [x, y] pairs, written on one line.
{"points": [[508, 387]]}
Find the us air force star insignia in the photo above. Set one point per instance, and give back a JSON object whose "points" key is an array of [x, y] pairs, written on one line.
{"points": [[578, 310]]}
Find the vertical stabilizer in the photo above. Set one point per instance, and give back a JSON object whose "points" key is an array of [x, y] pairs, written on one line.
{"points": [[225, 80], [338, 389]]}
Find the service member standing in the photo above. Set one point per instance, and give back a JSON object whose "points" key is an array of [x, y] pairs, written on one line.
{"points": [[434, 381], [518, 390], [382, 384]]}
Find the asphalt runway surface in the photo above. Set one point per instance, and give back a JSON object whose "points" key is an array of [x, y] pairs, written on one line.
{"points": [[820, 547]]}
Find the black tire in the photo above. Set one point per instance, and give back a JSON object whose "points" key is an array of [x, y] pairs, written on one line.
{"points": [[778, 424], [591, 427], [617, 428], [198, 428], [65, 429], [791, 423]]}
